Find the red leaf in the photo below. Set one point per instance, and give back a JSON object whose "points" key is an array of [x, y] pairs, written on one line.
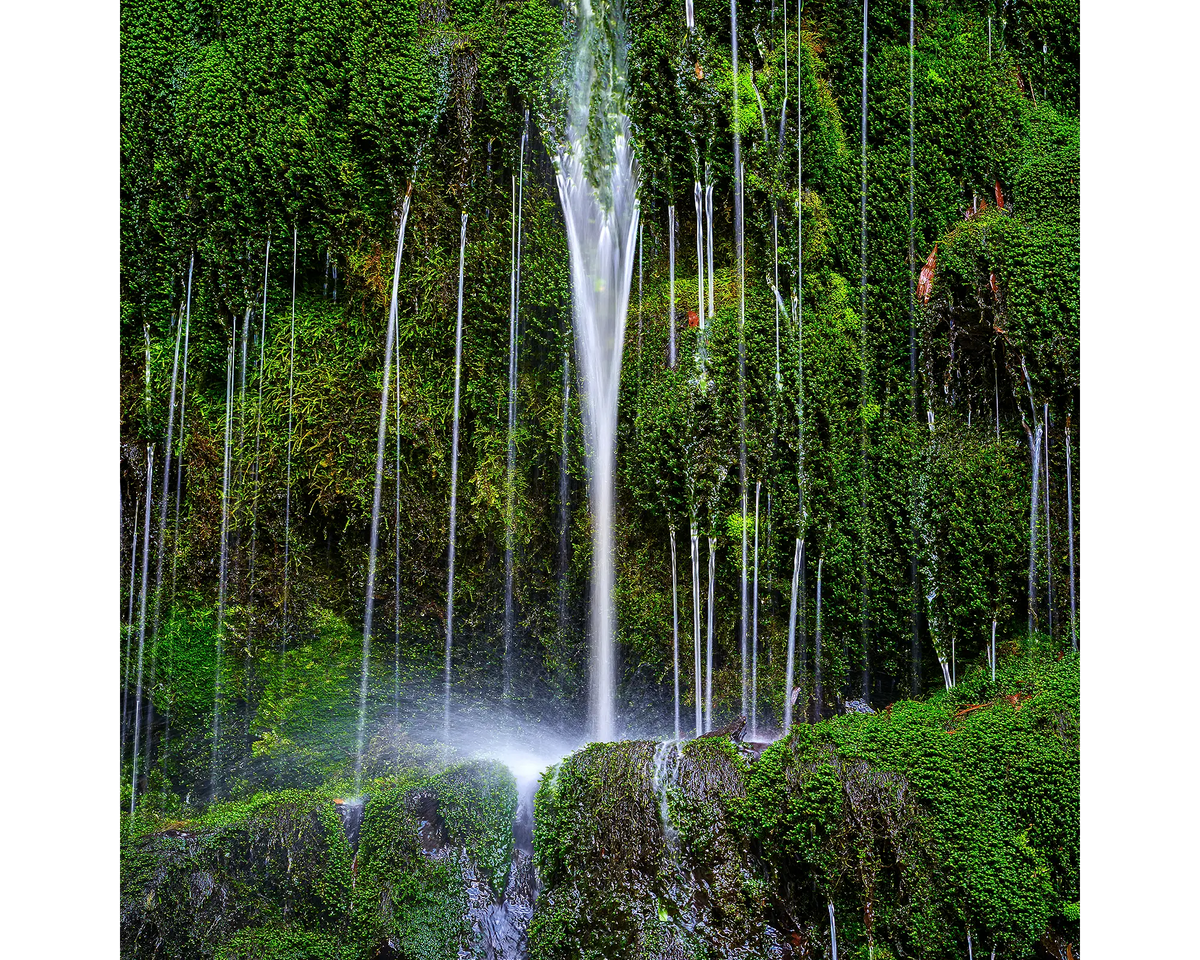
{"points": [[925, 281], [999, 196], [994, 285], [693, 319]]}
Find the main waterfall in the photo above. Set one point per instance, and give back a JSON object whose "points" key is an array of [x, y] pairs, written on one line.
{"points": [[597, 182]]}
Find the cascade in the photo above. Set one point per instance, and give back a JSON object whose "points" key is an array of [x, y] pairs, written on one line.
{"points": [[1046, 505], [396, 593], [462, 256], [675, 628], [564, 490], [791, 647], [708, 674], [1035, 447], [381, 438], [230, 364], [818, 694], [1071, 535], [129, 629], [671, 295], [697, 671], [754, 633], [513, 323], [597, 181], [287, 503], [832, 931], [137, 708]]}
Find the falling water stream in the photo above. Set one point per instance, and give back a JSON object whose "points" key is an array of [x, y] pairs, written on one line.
{"points": [[381, 438], [818, 693], [671, 294], [223, 570], [797, 561], [708, 672], [597, 182], [699, 199], [287, 503], [137, 709], [1035, 449], [129, 628], [1071, 535], [564, 490], [698, 672], [1046, 505], [754, 634], [462, 257], [675, 627]]}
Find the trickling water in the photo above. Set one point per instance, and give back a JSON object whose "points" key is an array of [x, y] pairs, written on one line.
{"points": [[671, 296], [739, 217], [462, 256], [675, 628], [691, 16], [230, 363], [818, 693], [993, 651], [163, 500], [262, 347], [775, 258], [129, 628], [137, 708], [754, 634], [708, 673], [832, 931], [698, 196], [287, 503], [791, 648], [381, 438], [564, 491], [513, 325], [597, 182], [712, 280], [1035, 448], [396, 590], [698, 672], [1046, 494], [1071, 535]]}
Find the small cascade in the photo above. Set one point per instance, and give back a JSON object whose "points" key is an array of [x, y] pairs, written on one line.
{"points": [[462, 257], [380, 444], [712, 278], [513, 328], [262, 347], [1046, 505], [797, 561], [663, 779], [708, 673], [1035, 449], [137, 708], [1071, 535], [675, 628], [671, 295], [699, 199], [754, 632], [230, 364], [287, 503], [690, 13], [970, 949], [396, 588], [698, 671], [564, 491], [832, 931], [597, 181], [163, 499], [818, 692], [739, 218], [129, 628]]}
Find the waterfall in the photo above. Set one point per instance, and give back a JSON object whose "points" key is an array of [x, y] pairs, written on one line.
{"points": [[698, 672], [462, 256], [915, 683], [675, 628], [699, 199], [1071, 534], [396, 590], [970, 950], [739, 227], [1035, 447], [230, 364], [262, 347], [380, 442], [597, 182], [832, 931], [791, 648], [754, 634], [513, 326], [863, 352], [690, 12], [712, 282], [775, 259], [1046, 494], [993, 651], [137, 708], [287, 503], [564, 490], [708, 674], [671, 296], [996, 391], [129, 628], [818, 693]]}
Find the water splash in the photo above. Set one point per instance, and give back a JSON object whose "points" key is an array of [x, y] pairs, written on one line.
{"points": [[597, 182], [462, 257], [381, 438]]}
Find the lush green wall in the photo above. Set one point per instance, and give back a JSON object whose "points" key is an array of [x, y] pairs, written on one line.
{"points": [[246, 122]]}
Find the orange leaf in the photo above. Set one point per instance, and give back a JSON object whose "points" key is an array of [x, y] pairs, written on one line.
{"points": [[925, 281]]}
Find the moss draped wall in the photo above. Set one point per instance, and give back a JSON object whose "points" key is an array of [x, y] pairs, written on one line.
{"points": [[242, 122]]}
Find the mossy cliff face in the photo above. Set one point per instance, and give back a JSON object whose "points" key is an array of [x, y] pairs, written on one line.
{"points": [[921, 825], [275, 877], [307, 122]]}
